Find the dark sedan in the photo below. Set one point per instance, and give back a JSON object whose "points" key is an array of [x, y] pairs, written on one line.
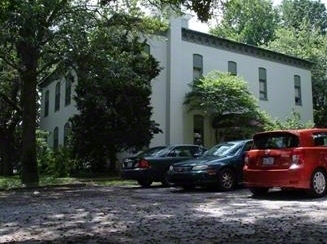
{"points": [[152, 165], [221, 166]]}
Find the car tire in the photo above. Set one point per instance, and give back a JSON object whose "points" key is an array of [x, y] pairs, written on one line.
{"points": [[226, 179], [259, 191], [165, 180], [145, 182], [318, 183], [188, 186]]}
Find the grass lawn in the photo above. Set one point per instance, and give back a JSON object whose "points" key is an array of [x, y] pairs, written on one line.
{"points": [[7, 183]]}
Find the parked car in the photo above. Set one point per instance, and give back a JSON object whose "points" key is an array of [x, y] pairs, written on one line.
{"points": [[152, 166], [289, 159], [220, 166]]}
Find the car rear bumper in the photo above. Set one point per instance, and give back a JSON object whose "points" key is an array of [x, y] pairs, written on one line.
{"points": [[197, 179], [135, 174], [286, 178]]}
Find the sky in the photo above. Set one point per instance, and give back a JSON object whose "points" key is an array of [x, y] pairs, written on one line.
{"points": [[194, 24]]}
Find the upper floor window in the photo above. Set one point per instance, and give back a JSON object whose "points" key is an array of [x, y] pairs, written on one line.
{"points": [[232, 67], [55, 138], [197, 66], [57, 97], [46, 103], [297, 89], [68, 89], [263, 84], [66, 133]]}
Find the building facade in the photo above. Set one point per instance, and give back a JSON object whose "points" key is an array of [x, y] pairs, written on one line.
{"points": [[281, 83]]}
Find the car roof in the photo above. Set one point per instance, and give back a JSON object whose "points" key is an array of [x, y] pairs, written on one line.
{"points": [[294, 131]]}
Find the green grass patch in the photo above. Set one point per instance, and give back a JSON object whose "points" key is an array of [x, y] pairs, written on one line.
{"points": [[7, 183]]}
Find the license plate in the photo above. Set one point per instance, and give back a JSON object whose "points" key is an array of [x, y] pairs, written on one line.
{"points": [[268, 161], [130, 165]]}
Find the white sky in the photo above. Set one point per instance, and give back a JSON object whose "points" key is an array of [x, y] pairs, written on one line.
{"points": [[194, 24]]}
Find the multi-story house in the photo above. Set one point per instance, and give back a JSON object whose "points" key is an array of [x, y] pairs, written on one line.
{"points": [[280, 82]]}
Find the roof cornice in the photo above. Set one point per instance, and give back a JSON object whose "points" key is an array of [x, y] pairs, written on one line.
{"points": [[242, 48]]}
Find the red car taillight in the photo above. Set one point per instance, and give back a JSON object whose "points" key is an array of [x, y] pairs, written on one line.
{"points": [[297, 157], [246, 160], [143, 164]]}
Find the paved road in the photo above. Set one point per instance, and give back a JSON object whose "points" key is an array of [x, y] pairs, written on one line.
{"points": [[129, 214]]}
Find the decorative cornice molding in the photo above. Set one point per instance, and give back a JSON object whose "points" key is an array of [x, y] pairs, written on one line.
{"points": [[242, 48]]}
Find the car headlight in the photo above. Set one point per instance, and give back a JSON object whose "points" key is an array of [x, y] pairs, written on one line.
{"points": [[200, 167], [171, 168]]}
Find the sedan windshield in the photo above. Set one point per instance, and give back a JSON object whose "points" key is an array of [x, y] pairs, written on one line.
{"points": [[224, 149]]}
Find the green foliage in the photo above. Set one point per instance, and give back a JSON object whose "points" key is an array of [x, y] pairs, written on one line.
{"points": [[217, 93], [248, 21], [57, 163], [293, 121], [113, 96], [294, 13], [226, 99]]}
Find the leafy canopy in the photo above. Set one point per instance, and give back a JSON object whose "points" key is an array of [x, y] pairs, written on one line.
{"points": [[217, 93], [248, 21]]}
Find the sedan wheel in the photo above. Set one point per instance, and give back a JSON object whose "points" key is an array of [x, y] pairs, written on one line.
{"points": [[188, 186], [145, 182], [318, 183], [226, 179], [165, 180]]}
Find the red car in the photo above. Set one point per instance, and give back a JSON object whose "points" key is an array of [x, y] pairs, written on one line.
{"points": [[289, 159]]}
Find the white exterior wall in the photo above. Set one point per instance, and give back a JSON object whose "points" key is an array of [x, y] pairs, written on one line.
{"points": [[280, 85], [158, 47], [57, 118], [175, 56]]}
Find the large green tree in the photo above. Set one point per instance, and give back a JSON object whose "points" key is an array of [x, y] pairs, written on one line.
{"points": [[248, 21], [113, 96], [32, 38], [10, 119], [294, 13]]}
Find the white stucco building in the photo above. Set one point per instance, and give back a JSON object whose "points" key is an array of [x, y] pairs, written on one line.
{"points": [[280, 82]]}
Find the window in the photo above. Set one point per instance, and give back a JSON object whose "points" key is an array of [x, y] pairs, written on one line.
{"points": [[198, 129], [68, 90], [66, 133], [147, 48], [197, 66], [232, 67], [55, 138], [275, 140], [181, 151], [46, 103], [297, 89], [320, 139], [263, 84], [57, 98]]}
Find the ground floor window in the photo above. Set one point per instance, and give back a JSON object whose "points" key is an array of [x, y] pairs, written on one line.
{"points": [[198, 129]]}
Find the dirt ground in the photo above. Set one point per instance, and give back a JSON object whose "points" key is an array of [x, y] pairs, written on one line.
{"points": [[130, 214]]}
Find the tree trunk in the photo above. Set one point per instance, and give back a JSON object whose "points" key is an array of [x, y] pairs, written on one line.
{"points": [[7, 149], [29, 57], [113, 159]]}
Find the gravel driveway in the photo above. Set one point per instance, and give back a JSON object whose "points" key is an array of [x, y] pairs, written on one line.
{"points": [[129, 214]]}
